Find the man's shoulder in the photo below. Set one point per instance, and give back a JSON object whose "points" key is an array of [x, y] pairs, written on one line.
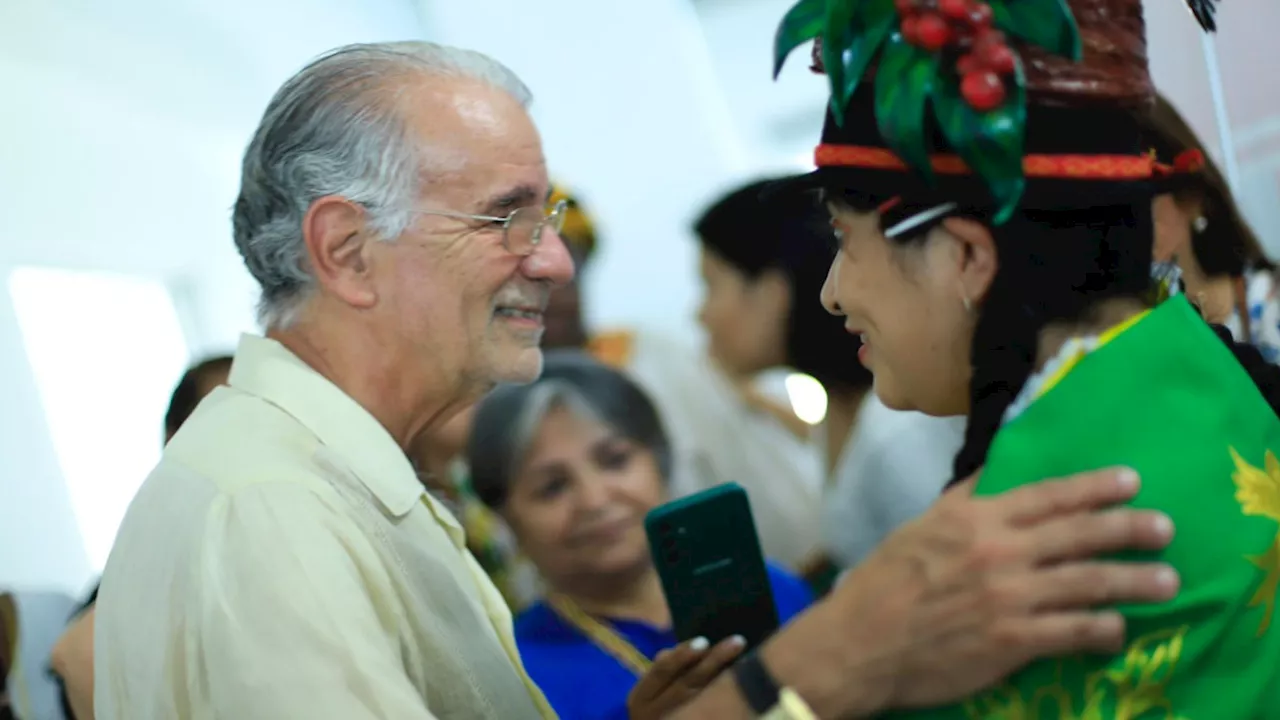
{"points": [[235, 439], [239, 458]]}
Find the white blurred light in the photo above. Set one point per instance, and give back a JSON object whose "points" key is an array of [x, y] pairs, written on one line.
{"points": [[808, 399]]}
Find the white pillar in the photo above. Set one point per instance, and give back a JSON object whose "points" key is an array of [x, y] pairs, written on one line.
{"points": [[1230, 162]]}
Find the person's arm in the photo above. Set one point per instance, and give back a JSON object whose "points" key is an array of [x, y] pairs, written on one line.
{"points": [[72, 660], [952, 602], [291, 617]]}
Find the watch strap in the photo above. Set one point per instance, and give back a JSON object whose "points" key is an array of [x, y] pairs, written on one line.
{"points": [[756, 683]]}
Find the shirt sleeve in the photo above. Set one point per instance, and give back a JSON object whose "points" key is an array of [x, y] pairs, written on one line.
{"points": [[292, 614]]}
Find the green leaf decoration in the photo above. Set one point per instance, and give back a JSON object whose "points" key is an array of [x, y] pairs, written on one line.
{"points": [[991, 143], [904, 82], [872, 24], [1047, 23], [838, 34], [803, 22]]}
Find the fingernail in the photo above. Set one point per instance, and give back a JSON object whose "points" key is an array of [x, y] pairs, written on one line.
{"points": [[738, 640], [1110, 627], [1128, 479], [699, 644], [1168, 579], [1163, 525]]}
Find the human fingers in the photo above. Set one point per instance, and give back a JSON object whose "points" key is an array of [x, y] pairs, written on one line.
{"points": [[713, 662], [669, 665], [1021, 639], [1083, 585], [1092, 533], [1084, 491]]}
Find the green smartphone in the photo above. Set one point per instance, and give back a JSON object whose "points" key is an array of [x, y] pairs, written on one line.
{"points": [[713, 572]]}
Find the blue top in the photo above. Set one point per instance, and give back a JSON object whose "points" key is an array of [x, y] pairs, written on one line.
{"points": [[582, 681]]}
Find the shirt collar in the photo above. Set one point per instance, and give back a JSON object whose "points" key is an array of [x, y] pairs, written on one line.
{"points": [[266, 369]]}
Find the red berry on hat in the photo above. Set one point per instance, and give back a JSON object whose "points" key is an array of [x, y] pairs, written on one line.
{"points": [[932, 32], [906, 7], [954, 9], [968, 64], [982, 90], [911, 29], [998, 57]]}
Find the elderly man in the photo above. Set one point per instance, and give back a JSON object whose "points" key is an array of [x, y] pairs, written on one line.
{"points": [[283, 560]]}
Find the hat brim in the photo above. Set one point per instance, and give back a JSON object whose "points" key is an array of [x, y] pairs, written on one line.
{"points": [[971, 191]]}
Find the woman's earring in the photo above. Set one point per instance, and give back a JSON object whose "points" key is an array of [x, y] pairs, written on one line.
{"points": [[1199, 224], [964, 300]]}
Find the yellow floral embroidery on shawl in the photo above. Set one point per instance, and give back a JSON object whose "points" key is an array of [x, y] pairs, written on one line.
{"points": [[1134, 690], [1258, 492]]}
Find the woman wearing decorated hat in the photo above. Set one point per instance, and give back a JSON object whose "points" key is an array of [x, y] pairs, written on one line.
{"points": [[985, 168]]}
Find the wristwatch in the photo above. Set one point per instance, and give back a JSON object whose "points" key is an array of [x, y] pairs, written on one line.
{"points": [[763, 695], [755, 681]]}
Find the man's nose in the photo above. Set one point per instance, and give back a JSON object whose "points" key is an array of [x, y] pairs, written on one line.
{"points": [[550, 260]]}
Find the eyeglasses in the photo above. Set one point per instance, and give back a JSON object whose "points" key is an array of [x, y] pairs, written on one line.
{"points": [[522, 229]]}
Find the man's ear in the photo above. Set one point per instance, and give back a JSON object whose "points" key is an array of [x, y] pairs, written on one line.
{"points": [[337, 237], [979, 260]]}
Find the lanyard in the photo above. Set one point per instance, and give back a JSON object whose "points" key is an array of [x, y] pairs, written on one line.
{"points": [[601, 635]]}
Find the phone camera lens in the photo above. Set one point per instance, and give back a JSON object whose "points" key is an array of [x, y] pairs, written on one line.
{"points": [[673, 557]]}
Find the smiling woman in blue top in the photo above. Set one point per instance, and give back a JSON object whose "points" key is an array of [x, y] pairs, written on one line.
{"points": [[573, 462]]}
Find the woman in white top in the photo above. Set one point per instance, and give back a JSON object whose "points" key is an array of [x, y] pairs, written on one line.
{"points": [[765, 255], [1200, 227]]}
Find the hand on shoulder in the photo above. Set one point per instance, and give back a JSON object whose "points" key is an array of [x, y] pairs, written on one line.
{"points": [[973, 590]]}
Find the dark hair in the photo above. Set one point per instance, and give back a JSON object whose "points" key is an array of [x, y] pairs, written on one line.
{"points": [[761, 227], [189, 392], [1053, 266], [1227, 245], [508, 417]]}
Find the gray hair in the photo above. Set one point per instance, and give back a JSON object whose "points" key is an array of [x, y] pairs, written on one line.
{"points": [[509, 418], [335, 129]]}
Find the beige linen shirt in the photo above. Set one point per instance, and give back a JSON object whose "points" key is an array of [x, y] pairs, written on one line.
{"points": [[282, 561]]}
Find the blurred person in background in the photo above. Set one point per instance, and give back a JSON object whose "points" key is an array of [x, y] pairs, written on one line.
{"points": [[30, 625], [71, 661], [440, 458], [1199, 226], [723, 428], [566, 325], [765, 253], [573, 462], [196, 383]]}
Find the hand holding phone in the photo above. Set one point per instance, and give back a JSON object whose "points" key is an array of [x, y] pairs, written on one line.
{"points": [[713, 572]]}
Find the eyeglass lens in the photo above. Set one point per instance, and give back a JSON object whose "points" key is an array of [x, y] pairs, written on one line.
{"points": [[524, 228]]}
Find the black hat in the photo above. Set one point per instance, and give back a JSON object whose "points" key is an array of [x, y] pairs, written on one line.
{"points": [[1041, 99]]}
